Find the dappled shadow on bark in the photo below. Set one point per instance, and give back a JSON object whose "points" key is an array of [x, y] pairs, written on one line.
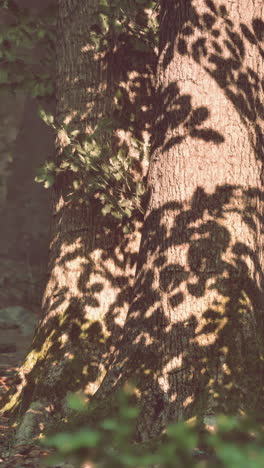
{"points": [[91, 260], [219, 45], [192, 341], [211, 360], [192, 338]]}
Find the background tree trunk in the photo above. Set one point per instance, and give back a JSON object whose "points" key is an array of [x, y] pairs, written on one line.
{"points": [[25, 142], [192, 340]]}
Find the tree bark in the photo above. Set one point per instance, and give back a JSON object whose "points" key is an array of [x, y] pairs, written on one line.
{"points": [[91, 261], [192, 341]]}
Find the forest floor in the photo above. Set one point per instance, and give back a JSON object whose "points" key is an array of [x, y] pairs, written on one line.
{"points": [[33, 456]]}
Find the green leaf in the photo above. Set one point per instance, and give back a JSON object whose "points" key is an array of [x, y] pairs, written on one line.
{"points": [[117, 176], [126, 229], [140, 189], [76, 184], [68, 151], [50, 166], [149, 460], [67, 442], [110, 424], [122, 154], [39, 179], [119, 94], [128, 212], [117, 214], [105, 168], [183, 436], [104, 22], [65, 165], [41, 33], [76, 402], [49, 181], [106, 124], [130, 412], [106, 209], [74, 167], [47, 117], [117, 25], [129, 460]]}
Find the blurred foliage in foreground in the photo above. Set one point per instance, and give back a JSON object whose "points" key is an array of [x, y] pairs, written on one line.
{"points": [[232, 443]]}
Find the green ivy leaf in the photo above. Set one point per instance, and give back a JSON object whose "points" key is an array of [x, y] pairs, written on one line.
{"points": [[140, 189], [74, 167], [76, 184], [47, 117], [104, 22], [106, 209], [49, 181]]}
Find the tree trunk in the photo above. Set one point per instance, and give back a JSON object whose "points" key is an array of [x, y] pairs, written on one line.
{"points": [[91, 261], [192, 341]]}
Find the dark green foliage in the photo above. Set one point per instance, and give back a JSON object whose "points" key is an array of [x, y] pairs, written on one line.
{"points": [[96, 171], [235, 443], [26, 49], [122, 20], [95, 168]]}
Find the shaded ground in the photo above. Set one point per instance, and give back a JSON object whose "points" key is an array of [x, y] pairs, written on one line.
{"points": [[13, 348]]}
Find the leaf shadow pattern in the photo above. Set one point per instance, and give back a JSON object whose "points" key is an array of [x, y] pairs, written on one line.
{"points": [[206, 353], [174, 110], [91, 260], [179, 364], [192, 341], [220, 49]]}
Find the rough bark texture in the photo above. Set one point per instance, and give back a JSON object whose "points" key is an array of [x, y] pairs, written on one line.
{"points": [[91, 262], [193, 335]]}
